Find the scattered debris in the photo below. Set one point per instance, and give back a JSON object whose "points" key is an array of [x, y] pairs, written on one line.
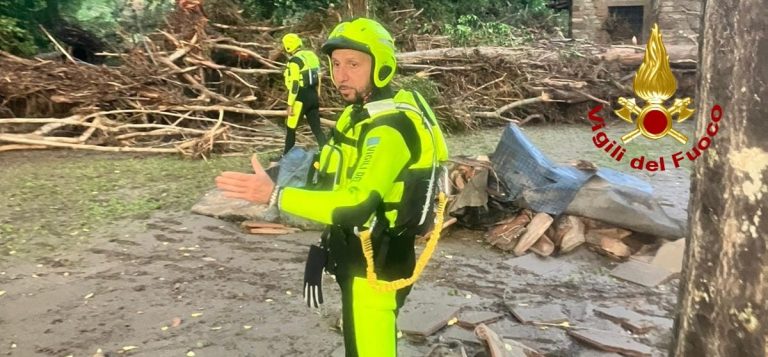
{"points": [[260, 227], [471, 183], [494, 345], [546, 340], [498, 347]]}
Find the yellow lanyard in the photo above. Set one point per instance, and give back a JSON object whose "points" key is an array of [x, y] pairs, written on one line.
{"points": [[421, 263]]}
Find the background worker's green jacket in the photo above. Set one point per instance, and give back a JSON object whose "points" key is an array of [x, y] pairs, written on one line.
{"points": [[302, 71], [383, 158]]}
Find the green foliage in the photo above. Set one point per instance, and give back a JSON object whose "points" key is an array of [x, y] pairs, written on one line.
{"points": [[254, 9], [286, 12], [486, 22], [470, 31], [18, 27], [100, 17], [15, 39], [425, 86]]}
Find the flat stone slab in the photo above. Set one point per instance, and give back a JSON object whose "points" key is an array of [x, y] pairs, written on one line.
{"points": [[611, 342], [470, 319], [670, 256], [426, 320], [641, 273], [551, 314], [542, 266], [630, 320], [545, 339], [460, 334], [592, 353]]}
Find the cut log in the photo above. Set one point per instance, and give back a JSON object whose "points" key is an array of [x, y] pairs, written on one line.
{"points": [[614, 248], [544, 246], [574, 236], [595, 236], [539, 224], [506, 234]]}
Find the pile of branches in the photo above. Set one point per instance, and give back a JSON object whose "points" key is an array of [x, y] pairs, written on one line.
{"points": [[167, 95], [542, 81], [200, 87]]}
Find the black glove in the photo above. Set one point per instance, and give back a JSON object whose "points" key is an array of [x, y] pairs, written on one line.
{"points": [[313, 275]]}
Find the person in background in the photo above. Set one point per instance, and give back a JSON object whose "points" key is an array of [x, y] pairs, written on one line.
{"points": [[302, 79]]}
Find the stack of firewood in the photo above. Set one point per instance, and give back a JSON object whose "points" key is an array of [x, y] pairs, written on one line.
{"points": [[543, 235], [537, 232], [474, 183]]}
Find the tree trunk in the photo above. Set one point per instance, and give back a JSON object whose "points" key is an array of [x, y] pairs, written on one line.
{"points": [[724, 286], [357, 8]]}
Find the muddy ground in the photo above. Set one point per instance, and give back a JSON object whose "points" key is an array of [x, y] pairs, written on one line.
{"points": [[125, 288]]}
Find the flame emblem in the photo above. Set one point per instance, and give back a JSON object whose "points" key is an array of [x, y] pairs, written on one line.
{"points": [[654, 83]]}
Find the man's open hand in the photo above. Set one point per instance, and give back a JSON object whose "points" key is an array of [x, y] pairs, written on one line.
{"points": [[256, 187]]}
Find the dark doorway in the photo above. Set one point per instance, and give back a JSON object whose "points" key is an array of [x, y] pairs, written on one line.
{"points": [[625, 22]]}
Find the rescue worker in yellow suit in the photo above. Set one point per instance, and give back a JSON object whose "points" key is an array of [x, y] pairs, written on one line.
{"points": [[377, 174], [302, 79]]}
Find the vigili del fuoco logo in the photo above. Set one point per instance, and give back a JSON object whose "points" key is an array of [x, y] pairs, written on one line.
{"points": [[654, 83]]}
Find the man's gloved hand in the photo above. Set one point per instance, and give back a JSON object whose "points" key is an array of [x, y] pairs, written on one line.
{"points": [[256, 187], [313, 276]]}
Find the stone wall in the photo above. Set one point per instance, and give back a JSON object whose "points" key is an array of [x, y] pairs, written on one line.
{"points": [[678, 20]]}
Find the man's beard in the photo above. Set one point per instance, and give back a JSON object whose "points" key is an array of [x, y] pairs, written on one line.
{"points": [[359, 97]]}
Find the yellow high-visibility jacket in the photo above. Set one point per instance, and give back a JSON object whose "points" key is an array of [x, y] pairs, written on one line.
{"points": [[383, 160], [302, 71]]}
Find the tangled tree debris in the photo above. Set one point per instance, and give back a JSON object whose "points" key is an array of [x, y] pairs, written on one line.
{"points": [[198, 87]]}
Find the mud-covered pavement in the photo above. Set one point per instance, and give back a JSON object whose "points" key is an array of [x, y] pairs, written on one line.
{"points": [[239, 295], [235, 294]]}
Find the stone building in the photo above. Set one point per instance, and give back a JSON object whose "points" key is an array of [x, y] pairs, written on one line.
{"points": [[616, 21]]}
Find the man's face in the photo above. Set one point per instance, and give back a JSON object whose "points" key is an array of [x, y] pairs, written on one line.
{"points": [[352, 74]]}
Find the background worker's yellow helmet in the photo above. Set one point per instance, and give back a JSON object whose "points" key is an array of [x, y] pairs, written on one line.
{"points": [[367, 36], [291, 42]]}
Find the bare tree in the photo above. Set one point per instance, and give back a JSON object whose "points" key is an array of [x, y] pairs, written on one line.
{"points": [[724, 287]]}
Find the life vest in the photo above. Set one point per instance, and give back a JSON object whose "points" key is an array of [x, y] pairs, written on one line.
{"points": [[410, 201], [308, 70]]}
